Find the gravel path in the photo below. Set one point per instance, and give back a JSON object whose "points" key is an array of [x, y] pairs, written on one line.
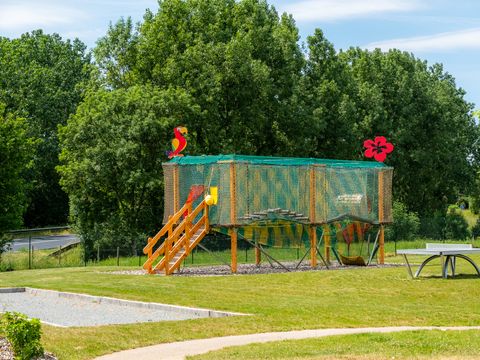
{"points": [[68, 309], [179, 350]]}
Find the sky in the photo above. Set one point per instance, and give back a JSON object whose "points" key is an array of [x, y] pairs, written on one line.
{"points": [[439, 31]]}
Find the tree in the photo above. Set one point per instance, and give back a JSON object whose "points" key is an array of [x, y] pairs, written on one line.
{"points": [[39, 80], [405, 223], [116, 54], [456, 227], [422, 112], [225, 69], [112, 150], [15, 159], [327, 109], [239, 60], [239, 65], [476, 229]]}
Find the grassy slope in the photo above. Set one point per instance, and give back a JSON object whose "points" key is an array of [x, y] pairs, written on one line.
{"points": [[344, 298], [405, 345]]}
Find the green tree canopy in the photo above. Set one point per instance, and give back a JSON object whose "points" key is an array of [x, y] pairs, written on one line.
{"points": [[355, 95], [421, 110], [112, 150], [15, 158], [328, 112], [239, 60], [39, 77], [234, 74]]}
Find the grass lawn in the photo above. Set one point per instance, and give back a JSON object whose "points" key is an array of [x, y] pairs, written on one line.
{"points": [[74, 257], [404, 345], [278, 302]]}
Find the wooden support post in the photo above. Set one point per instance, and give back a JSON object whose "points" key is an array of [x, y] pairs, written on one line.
{"points": [[188, 226], [149, 255], [312, 215], [381, 246], [233, 237], [313, 246], [233, 195], [233, 217], [381, 240], [170, 227], [168, 246], [313, 193], [176, 190], [207, 220], [258, 256]]}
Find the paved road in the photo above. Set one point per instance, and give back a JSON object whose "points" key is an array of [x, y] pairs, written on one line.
{"points": [[179, 350], [45, 242]]}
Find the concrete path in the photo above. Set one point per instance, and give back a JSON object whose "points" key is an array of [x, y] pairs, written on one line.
{"points": [[179, 350]]}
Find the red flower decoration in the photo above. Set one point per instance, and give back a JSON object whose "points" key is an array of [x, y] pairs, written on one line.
{"points": [[378, 148]]}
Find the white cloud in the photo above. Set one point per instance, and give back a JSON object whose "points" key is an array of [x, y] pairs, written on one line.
{"points": [[330, 10], [465, 39], [88, 36], [34, 14]]}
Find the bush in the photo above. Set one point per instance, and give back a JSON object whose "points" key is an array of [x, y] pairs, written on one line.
{"points": [[23, 334], [476, 229], [456, 227], [405, 223], [475, 206], [433, 227]]}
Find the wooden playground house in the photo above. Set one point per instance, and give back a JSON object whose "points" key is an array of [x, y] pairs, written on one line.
{"points": [[269, 201]]}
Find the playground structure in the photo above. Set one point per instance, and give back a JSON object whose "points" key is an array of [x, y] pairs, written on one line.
{"points": [[271, 201]]}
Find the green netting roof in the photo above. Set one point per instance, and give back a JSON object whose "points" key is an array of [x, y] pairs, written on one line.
{"points": [[271, 160]]}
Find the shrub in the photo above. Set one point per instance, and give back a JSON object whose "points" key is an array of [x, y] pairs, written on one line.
{"points": [[23, 334], [433, 227], [475, 206], [476, 229], [456, 227], [405, 223]]}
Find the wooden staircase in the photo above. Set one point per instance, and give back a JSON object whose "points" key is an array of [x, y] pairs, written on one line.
{"points": [[180, 239]]}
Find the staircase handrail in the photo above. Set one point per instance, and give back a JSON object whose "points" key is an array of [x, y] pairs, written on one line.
{"points": [[177, 238], [172, 221], [184, 239], [188, 229]]}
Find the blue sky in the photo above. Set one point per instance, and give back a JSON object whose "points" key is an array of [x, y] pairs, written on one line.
{"points": [[442, 31]]}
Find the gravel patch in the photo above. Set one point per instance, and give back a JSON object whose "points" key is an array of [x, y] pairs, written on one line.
{"points": [[68, 309], [6, 352], [251, 269]]}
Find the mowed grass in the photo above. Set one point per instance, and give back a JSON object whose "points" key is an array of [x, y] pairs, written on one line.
{"points": [[404, 345], [277, 302]]}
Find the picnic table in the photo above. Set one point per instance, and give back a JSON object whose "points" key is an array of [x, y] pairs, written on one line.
{"points": [[447, 252]]}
